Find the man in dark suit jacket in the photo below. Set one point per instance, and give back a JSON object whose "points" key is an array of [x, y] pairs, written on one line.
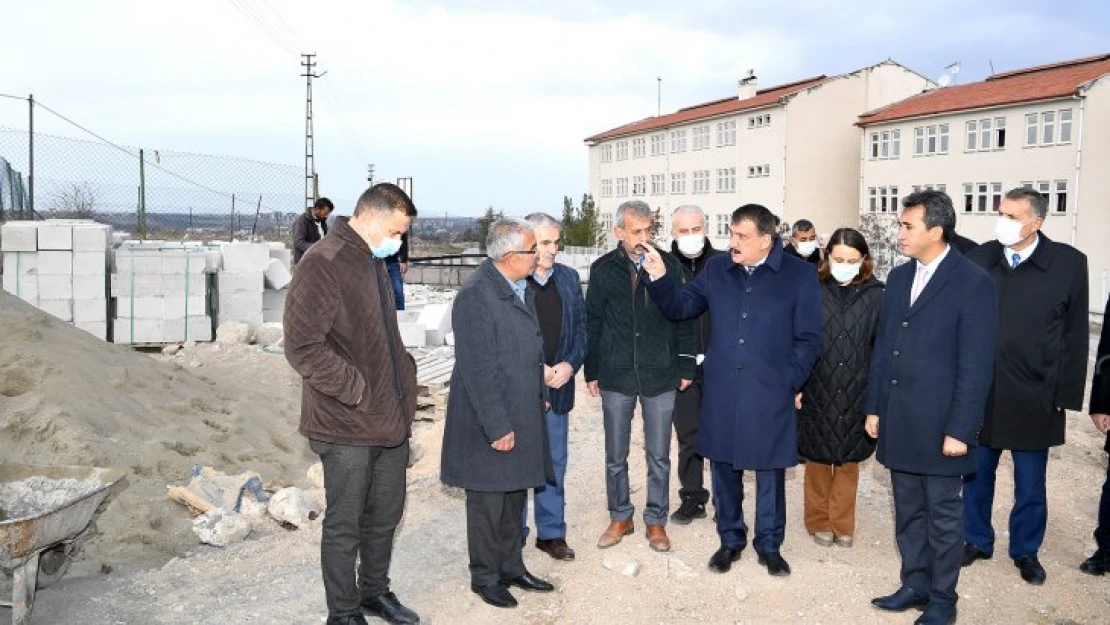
{"points": [[1040, 370], [494, 438], [1099, 562], [310, 227], [930, 376]]}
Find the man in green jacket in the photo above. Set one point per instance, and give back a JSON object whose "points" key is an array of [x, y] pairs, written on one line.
{"points": [[635, 352]]}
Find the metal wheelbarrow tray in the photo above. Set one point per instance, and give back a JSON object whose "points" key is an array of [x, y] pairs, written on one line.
{"points": [[47, 531]]}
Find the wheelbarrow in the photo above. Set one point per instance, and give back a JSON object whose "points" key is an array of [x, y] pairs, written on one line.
{"points": [[36, 547]]}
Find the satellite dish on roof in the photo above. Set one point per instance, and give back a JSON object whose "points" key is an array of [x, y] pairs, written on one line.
{"points": [[944, 80]]}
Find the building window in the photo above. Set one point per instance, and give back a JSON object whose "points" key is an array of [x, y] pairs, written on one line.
{"points": [[767, 119], [1048, 126], [622, 150], [894, 199], [766, 170], [873, 199], [607, 153], [622, 187], [751, 122], [895, 143], [1031, 129], [874, 145], [882, 200], [607, 187], [996, 196], [639, 185], [985, 134], [972, 135], [678, 183], [999, 133], [701, 138], [726, 133], [1061, 196], [658, 184], [678, 141], [722, 225], [930, 140], [1027, 184], [726, 180], [1065, 126], [981, 198], [1045, 187], [919, 141], [969, 197], [639, 148], [751, 171], [701, 181], [658, 144]]}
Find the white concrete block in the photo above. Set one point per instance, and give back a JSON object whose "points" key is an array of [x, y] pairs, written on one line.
{"points": [[142, 285], [141, 308], [277, 275], [90, 287], [92, 238], [274, 300], [19, 236], [179, 306], [55, 263], [90, 310], [99, 329], [141, 262], [184, 262], [184, 285], [55, 235], [413, 334], [89, 263], [213, 261], [239, 303], [195, 328], [55, 287], [25, 287], [22, 263], [129, 331], [282, 253], [60, 308], [240, 282], [436, 319], [243, 257], [272, 316]]}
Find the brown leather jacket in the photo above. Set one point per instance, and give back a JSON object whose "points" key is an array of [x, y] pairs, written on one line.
{"points": [[341, 335]]}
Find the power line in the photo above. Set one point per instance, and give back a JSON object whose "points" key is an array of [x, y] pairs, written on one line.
{"points": [[244, 7]]}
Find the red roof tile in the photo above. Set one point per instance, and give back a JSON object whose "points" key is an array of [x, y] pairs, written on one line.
{"points": [[1044, 82], [763, 97]]}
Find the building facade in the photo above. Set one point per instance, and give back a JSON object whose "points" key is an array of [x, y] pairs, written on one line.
{"points": [[1045, 127], [793, 148]]}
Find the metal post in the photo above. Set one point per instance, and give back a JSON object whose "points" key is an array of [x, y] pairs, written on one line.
{"points": [[232, 238], [31, 154], [142, 196], [256, 212]]}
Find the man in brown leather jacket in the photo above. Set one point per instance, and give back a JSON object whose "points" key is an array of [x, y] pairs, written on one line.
{"points": [[358, 399]]}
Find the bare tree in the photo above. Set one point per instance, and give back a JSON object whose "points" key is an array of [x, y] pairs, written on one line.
{"points": [[77, 201], [881, 232]]}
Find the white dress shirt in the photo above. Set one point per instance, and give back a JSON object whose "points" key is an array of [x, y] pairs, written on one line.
{"points": [[925, 273], [1023, 255]]}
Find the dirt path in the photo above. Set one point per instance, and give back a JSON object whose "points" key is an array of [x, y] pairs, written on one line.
{"points": [[275, 578]]}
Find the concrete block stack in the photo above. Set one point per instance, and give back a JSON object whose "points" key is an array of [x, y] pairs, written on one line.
{"points": [[279, 272], [61, 267], [160, 290], [241, 282]]}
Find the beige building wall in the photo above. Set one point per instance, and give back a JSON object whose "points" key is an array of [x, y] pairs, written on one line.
{"points": [[1092, 219]]}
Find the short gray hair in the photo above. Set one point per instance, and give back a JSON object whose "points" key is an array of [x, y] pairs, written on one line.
{"points": [[1037, 200], [506, 235], [543, 220], [689, 209], [638, 208]]}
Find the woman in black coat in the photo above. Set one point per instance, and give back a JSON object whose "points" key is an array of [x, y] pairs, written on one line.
{"points": [[831, 437]]}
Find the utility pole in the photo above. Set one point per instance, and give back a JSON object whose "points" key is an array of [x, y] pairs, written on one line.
{"points": [[406, 185], [31, 154], [310, 190], [370, 174]]}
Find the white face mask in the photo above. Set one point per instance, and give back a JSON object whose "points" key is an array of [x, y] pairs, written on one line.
{"points": [[1008, 231], [844, 272], [690, 245], [805, 248]]}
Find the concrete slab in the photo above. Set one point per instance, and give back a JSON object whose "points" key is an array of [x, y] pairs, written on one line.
{"points": [[55, 236], [24, 287], [184, 285], [55, 287], [436, 319], [142, 285], [89, 263], [274, 300], [184, 262], [128, 331], [90, 310], [141, 308], [180, 307], [60, 308], [54, 263], [22, 263], [92, 238], [243, 257], [228, 282], [277, 275], [99, 329], [19, 236], [90, 287]]}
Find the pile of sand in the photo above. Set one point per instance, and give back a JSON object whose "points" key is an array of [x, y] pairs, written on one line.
{"points": [[67, 398]]}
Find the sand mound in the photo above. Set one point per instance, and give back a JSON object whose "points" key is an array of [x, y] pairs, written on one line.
{"points": [[68, 398]]}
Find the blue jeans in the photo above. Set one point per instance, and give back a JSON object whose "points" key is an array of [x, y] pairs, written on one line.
{"points": [[398, 284], [550, 500], [617, 410], [1030, 512]]}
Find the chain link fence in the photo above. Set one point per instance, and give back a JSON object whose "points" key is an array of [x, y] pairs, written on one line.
{"points": [[149, 193]]}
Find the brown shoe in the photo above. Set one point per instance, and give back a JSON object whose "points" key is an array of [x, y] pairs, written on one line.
{"points": [[616, 531], [556, 548], [657, 538]]}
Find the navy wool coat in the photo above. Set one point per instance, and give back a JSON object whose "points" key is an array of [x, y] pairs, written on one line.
{"points": [[497, 387], [765, 338], [932, 366]]}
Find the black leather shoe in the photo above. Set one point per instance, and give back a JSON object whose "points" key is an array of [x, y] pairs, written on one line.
{"points": [[1098, 564], [973, 553], [690, 509], [936, 614], [903, 599], [721, 561], [386, 607], [776, 566], [1031, 569], [496, 595], [529, 582], [347, 619]]}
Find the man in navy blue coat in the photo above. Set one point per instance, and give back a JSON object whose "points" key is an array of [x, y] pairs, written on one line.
{"points": [[765, 317], [931, 372]]}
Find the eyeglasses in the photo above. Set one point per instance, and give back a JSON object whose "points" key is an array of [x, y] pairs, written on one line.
{"points": [[531, 251]]}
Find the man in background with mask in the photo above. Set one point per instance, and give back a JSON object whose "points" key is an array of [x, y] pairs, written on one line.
{"points": [[692, 249], [1040, 370], [358, 399], [803, 242]]}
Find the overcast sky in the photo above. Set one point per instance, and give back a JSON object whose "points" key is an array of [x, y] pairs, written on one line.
{"points": [[481, 102]]}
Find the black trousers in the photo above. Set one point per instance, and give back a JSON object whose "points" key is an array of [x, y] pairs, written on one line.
{"points": [[494, 531], [691, 466], [928, 526], [365, 488]]}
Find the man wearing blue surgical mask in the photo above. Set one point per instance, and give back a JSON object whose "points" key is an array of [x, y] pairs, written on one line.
{"points": [[803, 242], [1040, 370]]}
